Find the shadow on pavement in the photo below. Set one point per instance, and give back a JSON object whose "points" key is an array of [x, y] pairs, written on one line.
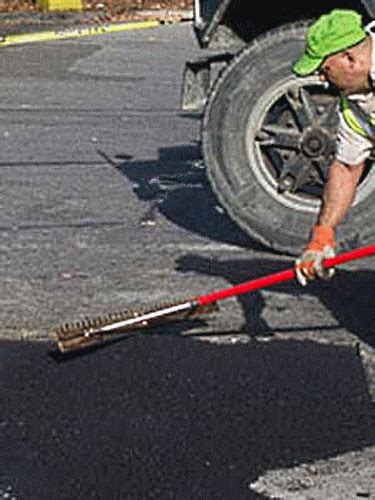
{"points": [[169, 418], [176, 186], [348, 296]]}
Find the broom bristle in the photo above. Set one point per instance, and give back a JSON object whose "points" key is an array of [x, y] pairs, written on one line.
{"points": [[91, 331]]}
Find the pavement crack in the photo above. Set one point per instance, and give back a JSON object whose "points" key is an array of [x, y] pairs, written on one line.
{"points": [[74, 163], [68, 225]]}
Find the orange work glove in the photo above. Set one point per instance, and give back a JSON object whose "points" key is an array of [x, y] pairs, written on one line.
{"points": [[321, 246]]}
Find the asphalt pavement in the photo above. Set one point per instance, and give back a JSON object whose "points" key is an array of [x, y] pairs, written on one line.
{"points": [[105, 206]]}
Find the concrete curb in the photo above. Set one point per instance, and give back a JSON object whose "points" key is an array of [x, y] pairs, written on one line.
{"points": [[30, 29]]}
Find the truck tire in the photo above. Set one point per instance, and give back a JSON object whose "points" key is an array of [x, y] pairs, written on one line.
{"points": [[259, 117]]}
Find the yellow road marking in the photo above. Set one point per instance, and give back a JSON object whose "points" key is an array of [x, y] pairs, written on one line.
{"points": [[102, 29]]}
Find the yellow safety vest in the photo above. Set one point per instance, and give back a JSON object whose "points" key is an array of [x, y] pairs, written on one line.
{"points": [[357, 119]]}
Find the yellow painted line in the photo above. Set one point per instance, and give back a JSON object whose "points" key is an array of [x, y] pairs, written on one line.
{"points": [[102, 29]]}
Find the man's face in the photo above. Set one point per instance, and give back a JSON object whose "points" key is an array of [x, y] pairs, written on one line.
{"points": [[343, 71]]}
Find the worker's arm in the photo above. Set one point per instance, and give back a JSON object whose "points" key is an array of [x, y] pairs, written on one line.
{"points": [[338, 195], [339, 192]]}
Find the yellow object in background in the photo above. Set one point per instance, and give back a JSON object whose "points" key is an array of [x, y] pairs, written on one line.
{"points": [[54, 5]]}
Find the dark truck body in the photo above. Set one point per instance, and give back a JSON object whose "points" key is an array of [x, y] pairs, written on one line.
{"points": [[268, 137], [211, 15]]}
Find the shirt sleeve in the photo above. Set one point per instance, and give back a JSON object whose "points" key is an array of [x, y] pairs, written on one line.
{"points": [[352, 148]]}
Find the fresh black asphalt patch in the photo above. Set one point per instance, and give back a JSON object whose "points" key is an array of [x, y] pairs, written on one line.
{"points": [[169, 417]]}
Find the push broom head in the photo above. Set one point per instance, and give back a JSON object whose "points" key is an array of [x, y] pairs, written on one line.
{"points": [[90, 332]]}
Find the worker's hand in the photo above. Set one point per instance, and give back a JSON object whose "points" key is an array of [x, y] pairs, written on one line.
{"points": [[321, 246]]}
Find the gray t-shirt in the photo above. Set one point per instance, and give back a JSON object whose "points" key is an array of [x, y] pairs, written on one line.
{"points": [[353, 148]]}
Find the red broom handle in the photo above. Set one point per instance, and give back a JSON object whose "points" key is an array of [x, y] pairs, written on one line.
{"points": [[280, 277]]}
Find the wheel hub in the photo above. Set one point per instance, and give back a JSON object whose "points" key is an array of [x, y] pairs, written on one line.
{"points": [[316, 142]]}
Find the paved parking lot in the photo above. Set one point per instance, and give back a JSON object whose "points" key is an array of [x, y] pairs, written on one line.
{"points": [[272, 396]]}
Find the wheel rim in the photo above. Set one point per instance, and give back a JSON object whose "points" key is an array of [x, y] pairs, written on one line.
{"points": [[291, 141]]}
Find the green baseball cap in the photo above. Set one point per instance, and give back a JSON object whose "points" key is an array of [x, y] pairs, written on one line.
{"points": [[331, 33]]}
